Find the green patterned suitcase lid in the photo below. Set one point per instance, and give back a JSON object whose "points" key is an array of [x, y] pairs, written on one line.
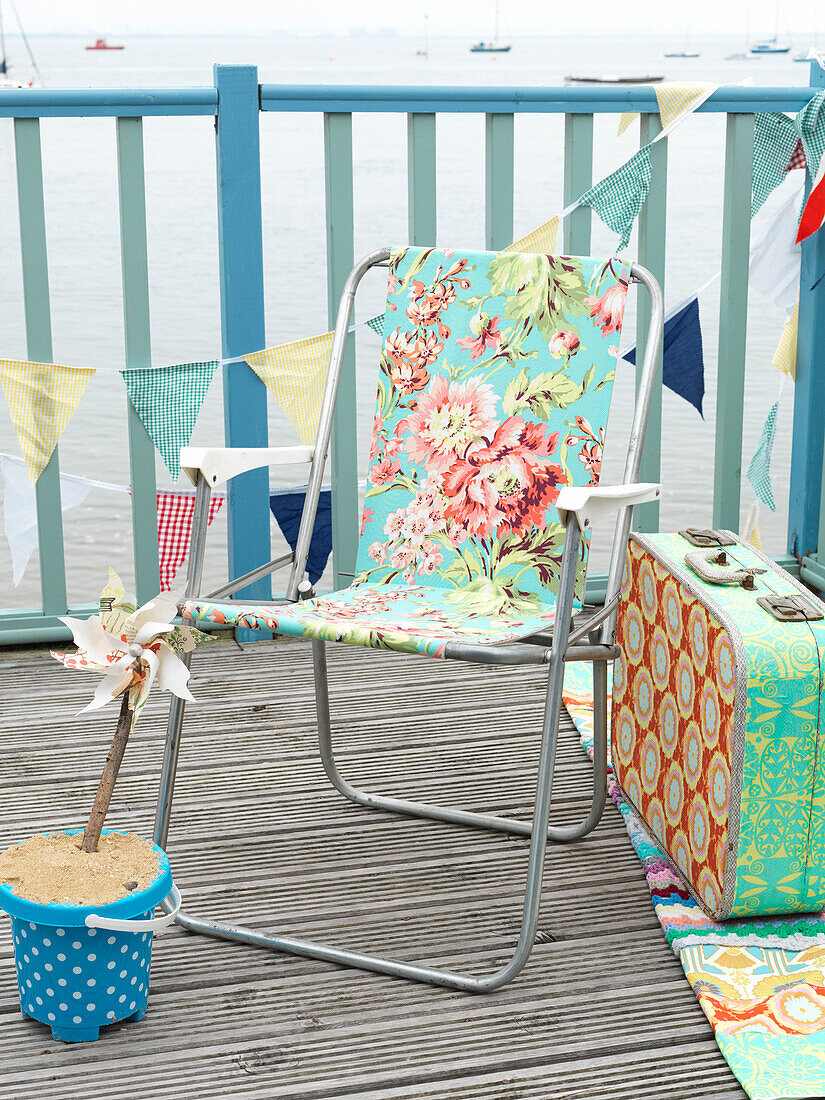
{"points": [[775, 858]]}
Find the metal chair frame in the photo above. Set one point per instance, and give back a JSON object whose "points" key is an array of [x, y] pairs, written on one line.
{"points": [[553, 651]]}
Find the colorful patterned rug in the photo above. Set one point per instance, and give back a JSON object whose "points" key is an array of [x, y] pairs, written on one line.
{"points": [[761, 983]]}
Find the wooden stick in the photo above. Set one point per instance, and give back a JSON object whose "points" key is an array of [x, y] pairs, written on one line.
{"points": [[91, 837]]}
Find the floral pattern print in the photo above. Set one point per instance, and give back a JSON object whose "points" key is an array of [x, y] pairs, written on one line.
{"points": [[494, 387], [408, 618]]}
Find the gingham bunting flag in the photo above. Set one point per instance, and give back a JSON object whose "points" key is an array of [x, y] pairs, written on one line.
{"points": [[784, 358], [810, 124], [377, 325], [797, 158], [759, 468], [296, 374], [775, 139], [541, 241], [175, 513], [42, 398], [625, 120], [619, 197], [168, 400], [751, 532], [673, 100]]}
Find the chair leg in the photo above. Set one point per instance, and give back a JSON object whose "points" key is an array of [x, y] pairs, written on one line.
{"points": [[538, 844], [449, 814], [170, 766]]}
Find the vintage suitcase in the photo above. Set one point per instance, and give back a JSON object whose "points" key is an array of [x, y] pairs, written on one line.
{"points": [[717, 720]]}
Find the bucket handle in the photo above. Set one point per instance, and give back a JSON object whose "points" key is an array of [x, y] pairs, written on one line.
{"points": [[112, 924]]}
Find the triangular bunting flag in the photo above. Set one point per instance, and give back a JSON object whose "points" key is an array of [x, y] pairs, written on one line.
{"points": [[42, 398], [774, 255], [168, 400], [377, 325], [542, 241], [751, 532], [296, 374], [673, 100], [680, 99], [774, 143], [20, 509], [625, 120], [683, 364], [619, 197], [813, 213], [759, 468], [797, 158], [287, 508], [784, 358], [810, 124], [175, 514]]}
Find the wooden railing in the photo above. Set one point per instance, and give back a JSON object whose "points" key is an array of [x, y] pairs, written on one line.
{"points": [[237, 101]]}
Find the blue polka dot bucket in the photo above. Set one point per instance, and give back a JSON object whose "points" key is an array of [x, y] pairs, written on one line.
{"points": [[80, 967]]}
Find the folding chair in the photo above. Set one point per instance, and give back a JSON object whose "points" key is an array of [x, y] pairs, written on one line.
{"points": [[494, 387]]}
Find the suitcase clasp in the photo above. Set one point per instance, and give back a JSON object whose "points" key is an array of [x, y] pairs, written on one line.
{"points": [[791, 609], [706, 536]]}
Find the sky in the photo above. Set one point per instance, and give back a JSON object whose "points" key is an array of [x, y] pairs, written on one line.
{"points": [[519, 17]]}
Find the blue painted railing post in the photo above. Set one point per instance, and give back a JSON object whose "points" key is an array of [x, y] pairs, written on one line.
{"points": [[240, 257], [809, 391]]}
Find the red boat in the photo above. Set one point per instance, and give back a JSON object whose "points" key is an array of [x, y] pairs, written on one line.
{"points": [[102, 44]]}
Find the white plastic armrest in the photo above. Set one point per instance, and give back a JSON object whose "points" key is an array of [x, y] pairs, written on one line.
{"points": [[219, 464], [592, 502]]}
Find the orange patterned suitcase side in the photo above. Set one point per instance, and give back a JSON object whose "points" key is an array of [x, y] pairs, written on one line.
{"points": [[673, 709]]}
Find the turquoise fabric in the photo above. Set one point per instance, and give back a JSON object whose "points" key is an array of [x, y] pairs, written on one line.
{"points": [[494, 387]]}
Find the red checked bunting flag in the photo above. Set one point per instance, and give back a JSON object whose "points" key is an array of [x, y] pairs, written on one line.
{"points": [[175, 512]]}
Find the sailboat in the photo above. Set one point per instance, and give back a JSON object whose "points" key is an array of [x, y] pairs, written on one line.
{"points": [[7, 81], [426, 51], [494, 46], [771, 45], [686, 51]]}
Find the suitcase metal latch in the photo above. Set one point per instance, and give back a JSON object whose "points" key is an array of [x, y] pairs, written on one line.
{"points": [[791, 609], [706, 536]]}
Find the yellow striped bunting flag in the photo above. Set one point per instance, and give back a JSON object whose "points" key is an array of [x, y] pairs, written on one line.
{"points": [[784, 358], [678, 99], [42, 398], [625, 120], [295, 374], [542, 241], [672, 100]]}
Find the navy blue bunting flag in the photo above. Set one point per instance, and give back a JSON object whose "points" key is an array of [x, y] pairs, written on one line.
{"points": [[683, 362]]}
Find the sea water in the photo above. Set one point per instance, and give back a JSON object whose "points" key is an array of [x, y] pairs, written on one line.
{"points": [[79, 163]]}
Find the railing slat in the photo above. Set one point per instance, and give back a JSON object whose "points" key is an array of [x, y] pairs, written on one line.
{"points": [[340, 260], [421, 178], [135, 268], [499, 172], [733, 321], [36, 302], [578, 177], [651, 252], [806, 526], [243, 328]]}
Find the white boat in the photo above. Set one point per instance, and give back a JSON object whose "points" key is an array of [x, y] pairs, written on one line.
{"points": [[494, 46], [772, 44], [6, 79]]}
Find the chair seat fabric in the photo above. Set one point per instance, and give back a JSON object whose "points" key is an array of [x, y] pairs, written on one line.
{"points": [[410, 618]]}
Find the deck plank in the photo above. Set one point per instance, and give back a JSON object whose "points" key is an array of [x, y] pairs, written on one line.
{"points": [[258, 835]]}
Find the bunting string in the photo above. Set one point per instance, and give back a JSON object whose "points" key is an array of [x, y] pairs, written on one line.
{"points": [[43, 397]]}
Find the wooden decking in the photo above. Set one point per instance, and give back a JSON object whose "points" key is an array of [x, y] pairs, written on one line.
{"points": [[602, 1009]]}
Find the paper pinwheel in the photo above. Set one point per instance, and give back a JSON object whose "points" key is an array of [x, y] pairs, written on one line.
{"points": [[132, 647]]}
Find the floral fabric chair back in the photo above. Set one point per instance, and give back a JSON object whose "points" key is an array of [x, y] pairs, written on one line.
{"points": [[494, 389]]}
